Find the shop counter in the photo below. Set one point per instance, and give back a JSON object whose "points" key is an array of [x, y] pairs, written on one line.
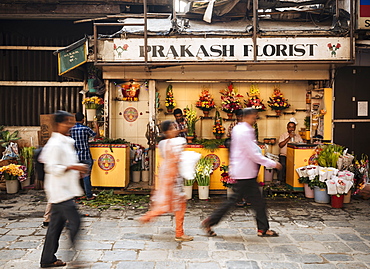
{"points": [[220, 157], [298, 155], [111, 166]]}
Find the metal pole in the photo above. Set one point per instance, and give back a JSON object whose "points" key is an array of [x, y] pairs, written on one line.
{"points": [[95, 44], [255, 8], [145, 31], [351, 29]]}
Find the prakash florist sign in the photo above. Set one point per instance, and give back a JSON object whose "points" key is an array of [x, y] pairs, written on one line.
{"points": [[227, 49]]}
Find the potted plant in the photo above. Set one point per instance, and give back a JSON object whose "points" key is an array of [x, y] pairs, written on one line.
{"points": [[277, 102], [308, 191], [218, 129], [254, 100], [13, 174], [170, 100], [145, 162], [203, 173], [205, 102], [6, 137], [320, 193], [188, 188], [27, 160], [226, 180], [191, 119], [92, 104], [230, 100], [136, 171], [136, 164]]}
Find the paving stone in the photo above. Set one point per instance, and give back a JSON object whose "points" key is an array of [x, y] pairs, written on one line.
{"points": [[190, 254], [66, 255], [242, 265], [325, 237], [318, 266], [337, 224], [301, 237], [137, 236], [160, 245], [135, 265], [3, 231], [155, 255], [7, 254], [337, 257], [286, 249], [259, 248], [279, 265], [230, 246], [265, 256], [313, 247], [352, 265], [24, 224], [82, 245], [349, 237], [337, 247], [362, 257], [129, 244], [304, 258], [359, 246], [21, 232], [25, 244], [193, 245], [170, 265], [118, 255], [8, 238], [89, 255], [227, 255], [282, 239], [203, 265], [20, 264]]}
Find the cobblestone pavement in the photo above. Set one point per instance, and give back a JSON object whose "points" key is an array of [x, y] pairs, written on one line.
{"points": [[312, 236]]}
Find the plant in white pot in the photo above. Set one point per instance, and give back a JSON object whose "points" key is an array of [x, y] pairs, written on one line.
{"points": [[203, 171], [13, 174]]}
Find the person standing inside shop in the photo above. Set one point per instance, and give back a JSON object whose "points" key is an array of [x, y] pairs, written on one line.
{"points": [[62, 174], [288, 137], [169, 195], [81, 134], [245, 158], [180, 123]]}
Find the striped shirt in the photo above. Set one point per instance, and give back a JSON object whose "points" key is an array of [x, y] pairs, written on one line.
{"points": [[81, 134]]}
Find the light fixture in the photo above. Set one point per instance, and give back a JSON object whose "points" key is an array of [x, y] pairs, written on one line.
{"points": [[225, 81], [193, 81]]}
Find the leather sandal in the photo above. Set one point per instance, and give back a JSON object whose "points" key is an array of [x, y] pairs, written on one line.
{"points": [[265, 234], [57, 263], [207, 228]]}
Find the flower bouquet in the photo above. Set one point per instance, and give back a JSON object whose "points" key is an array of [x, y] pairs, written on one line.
{"points": [[191, 119], [226, 180], [277, 102], [254, 101], [170, 100], [14, 172], [203, 171], [230, 100], [218, 129], [205, 102], [93, 102]]}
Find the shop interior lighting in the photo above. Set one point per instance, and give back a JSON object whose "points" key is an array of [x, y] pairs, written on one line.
{"points": [[219, 81], [193, 81]]}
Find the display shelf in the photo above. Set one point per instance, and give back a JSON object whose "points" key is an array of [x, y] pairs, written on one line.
{"points": [[272, 116], [206, 118], [228, 119], [289, 112], [301, 110]]}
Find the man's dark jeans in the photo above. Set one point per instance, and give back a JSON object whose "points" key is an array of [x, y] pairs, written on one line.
{"points": [[282, 172], [87, 179]]}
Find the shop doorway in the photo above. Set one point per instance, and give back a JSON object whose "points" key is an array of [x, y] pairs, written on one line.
{"points": [[351, 109]]}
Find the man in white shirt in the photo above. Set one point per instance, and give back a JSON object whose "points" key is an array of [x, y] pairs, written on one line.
{"points": [[245, 160], [62, 174], [288, 137]]}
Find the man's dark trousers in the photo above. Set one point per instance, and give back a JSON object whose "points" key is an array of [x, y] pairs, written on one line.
{"points": [[244, 188], [282, 172], [59, 214]]}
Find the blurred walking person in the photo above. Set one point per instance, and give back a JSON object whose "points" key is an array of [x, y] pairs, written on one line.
{"points": [[62, 174], [245, 160], [169, 195]]}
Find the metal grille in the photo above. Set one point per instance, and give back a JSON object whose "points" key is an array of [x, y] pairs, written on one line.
{"points": [[22, 106]]}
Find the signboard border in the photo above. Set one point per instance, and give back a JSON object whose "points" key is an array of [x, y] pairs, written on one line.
{"points": [[85, 54]]}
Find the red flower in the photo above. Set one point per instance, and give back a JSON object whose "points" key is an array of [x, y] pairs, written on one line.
{"points": [[338, 45]]}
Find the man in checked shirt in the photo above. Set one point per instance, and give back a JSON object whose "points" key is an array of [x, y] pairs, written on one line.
{"points": [[81, 134]]}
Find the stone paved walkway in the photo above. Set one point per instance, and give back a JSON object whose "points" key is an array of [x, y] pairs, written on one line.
{"points": [[313, 236]]}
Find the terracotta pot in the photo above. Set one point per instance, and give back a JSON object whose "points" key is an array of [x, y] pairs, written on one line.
{"points": [[206, 113], [12, 186], [218, 136], [190, 139], [308, 192], [169, 110], [90, 114], [278, 112], [230, 116]]}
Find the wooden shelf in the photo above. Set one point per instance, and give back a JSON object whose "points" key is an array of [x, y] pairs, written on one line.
{"points": [[228, 119], [206, 118], [272, 116], [301, 110], [289, 113]]}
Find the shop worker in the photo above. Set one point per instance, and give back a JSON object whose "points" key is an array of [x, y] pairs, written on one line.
{"points": [[62, 174], [239, 117], [288, 137], [245, 160], [180, 123], [81, 134]]}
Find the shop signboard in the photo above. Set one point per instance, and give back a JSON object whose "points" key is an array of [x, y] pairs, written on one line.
{"points": [[363, 20], [228, 49], [70, 59]]}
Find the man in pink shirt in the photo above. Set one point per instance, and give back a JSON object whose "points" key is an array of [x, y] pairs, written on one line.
{"points": [[245, 160]]}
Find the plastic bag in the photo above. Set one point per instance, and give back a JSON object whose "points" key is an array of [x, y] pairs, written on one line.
{"points": [[188, 161]]}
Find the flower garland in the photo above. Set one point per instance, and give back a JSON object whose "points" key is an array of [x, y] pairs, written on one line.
{"points": [[14, 171], [277, 101], [218, 129], [254, 101], [191, 119], [206, 102], [170, 100], [226, 180], [94, 102], [230, 99]]}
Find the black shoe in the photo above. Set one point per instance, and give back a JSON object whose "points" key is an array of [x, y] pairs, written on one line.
{"points": [[45, 224]]}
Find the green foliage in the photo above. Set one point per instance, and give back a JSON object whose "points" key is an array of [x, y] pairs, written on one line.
{"points": [[316, 182], [329, 155], [204, 169], [27, 158], [304, 180], [189, 182], [210, 144], [307, 123], [7, 137]]}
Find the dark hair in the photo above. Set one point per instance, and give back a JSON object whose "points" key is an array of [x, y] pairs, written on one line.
{"points": [[61, 116], [79, 116], [177, 111], [239, 112], [291, 122], [165, 126], [249, 111]]}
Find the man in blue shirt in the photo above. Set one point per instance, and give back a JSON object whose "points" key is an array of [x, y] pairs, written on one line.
{"points": [[81, 134]]}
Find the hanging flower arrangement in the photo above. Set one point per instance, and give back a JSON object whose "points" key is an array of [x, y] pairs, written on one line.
{"points": [[230, 99], [277, 101], [206, 102], [254, 100], [131, 92], [191, 119], [218, 129], [170, 100], [226, 180], [93, 102]]}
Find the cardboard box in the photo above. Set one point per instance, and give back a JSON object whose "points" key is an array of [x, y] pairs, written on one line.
{"points": [[46, 126]]}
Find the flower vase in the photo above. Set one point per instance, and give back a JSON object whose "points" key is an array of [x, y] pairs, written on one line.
{"points": [[347, 197], [229, 192], [25, 183], [12, 186], [206, 113], [190, 139], [278, 112], [145, 175], [203, 192], [136, 176], [169, 110], [308, 192], [230, 116], [90, 114], [188, 192]]}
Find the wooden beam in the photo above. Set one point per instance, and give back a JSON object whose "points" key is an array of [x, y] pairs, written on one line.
{"points": [[29, 48], [42, 83]]}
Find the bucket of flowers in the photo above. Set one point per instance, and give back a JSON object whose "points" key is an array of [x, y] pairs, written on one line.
{"points": [[226, 180], [230, 100], [205, 102], [191, 119], [254, 100], [13, 174], [277, 102], [218, 129], [170, 100], [203, 172], [92, 104]]}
